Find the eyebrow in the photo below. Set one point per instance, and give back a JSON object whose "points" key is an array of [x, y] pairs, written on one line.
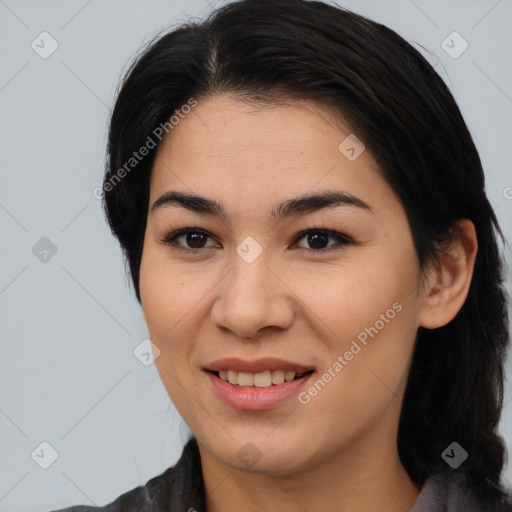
{"points": [[297, 206]]}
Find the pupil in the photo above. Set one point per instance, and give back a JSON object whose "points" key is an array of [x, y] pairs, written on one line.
{"points": [[194, 239], [313, 238]]}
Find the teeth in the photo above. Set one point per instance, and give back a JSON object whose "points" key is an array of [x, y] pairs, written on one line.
{"points": [[263, 379], [277, 377], [245, 379], [288, 376], [260, 380]]}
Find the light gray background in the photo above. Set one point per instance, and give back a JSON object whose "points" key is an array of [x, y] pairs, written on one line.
{"points": [[68, 375]]}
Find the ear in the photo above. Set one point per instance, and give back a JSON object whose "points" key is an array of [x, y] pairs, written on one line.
{"points": [[447, 284]]}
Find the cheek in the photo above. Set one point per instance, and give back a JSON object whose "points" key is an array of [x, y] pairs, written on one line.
{"points": [[367, 314], [351, 296], [172, 298], [163, 301], [166, 292]]}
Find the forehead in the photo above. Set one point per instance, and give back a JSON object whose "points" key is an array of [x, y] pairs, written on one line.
{"points": [[224, 146], [223, 125]]}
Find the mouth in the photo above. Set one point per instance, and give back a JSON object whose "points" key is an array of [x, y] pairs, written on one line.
{"points": [[264, 379], [260, 373], [256, 385]]}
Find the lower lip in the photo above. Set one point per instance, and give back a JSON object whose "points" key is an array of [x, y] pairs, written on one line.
{"points": [[253, 398]]}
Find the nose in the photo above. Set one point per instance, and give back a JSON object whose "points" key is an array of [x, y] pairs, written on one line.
{"points": [[253, 299]]}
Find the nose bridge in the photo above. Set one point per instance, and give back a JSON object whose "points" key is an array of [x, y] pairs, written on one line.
{"points": [[248, 287], [251, 297]]}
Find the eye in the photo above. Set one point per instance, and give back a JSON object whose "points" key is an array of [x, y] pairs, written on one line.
{"points": [[319, 239], [193, 238]]}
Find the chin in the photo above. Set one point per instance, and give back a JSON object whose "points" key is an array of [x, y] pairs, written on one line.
{"points": [[274, 454]]}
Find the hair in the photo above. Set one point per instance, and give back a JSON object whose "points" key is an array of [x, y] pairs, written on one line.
{"points": [[274, 50]]}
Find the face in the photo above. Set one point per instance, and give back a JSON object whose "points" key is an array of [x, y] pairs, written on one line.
{"points": [[327, 288]]}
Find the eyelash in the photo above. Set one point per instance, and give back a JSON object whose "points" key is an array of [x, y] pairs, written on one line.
{"points": [[342, 240]]}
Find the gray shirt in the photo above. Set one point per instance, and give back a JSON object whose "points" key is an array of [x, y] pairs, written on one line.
{"points": [[446, 493], [180, 488]]}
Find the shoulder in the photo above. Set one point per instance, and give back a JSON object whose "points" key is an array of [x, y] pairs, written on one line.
{"points": [[134, 500], [131, 501], [450, 492], [178, 484]]}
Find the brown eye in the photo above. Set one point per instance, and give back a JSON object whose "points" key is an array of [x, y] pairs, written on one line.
{"points": [[191, 239], [318, 239], [195, 239]]}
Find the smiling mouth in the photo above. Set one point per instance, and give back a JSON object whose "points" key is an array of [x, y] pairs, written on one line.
{"points": [[265, 379]]}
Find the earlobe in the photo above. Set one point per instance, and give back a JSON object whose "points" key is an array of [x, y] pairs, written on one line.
{"points": [[448, 284]]}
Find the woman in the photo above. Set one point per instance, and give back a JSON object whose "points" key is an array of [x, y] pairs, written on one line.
{"points": [[303, 212]]}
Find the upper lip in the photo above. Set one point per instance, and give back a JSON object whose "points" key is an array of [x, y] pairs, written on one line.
{"points": [[256, 366]]}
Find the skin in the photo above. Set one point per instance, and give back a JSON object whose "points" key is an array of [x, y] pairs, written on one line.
{"points": [[338, 452]]}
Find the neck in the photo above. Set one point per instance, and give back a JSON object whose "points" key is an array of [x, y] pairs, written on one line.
{"points": [[371, 479]]}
